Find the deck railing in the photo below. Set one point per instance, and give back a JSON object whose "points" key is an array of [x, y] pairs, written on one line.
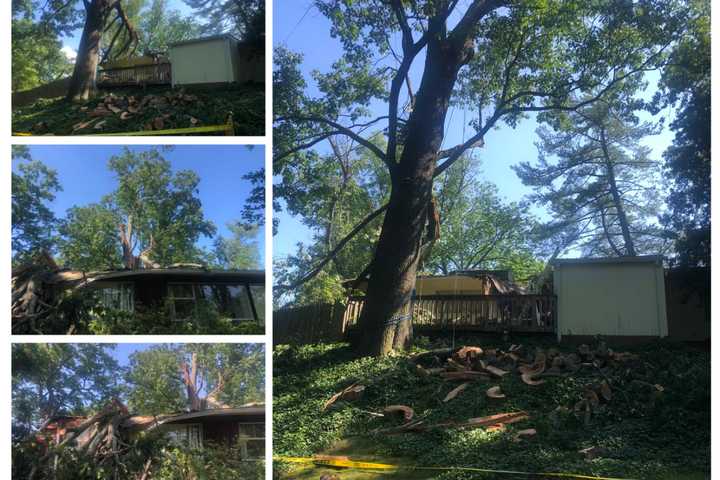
{"points": [[154, 74], [488, 313]]}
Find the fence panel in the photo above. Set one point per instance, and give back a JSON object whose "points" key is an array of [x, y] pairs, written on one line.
{"points": [[490, 313], [309, 324]]}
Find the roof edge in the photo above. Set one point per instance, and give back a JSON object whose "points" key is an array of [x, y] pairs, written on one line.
{"points": [[658, 259], [211, 38]]}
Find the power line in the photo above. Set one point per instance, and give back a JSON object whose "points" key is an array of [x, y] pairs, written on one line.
{"points": [[307, 10]]}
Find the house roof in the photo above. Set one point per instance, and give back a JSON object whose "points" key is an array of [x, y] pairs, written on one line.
{"points": [[211, 38], [658, 259], [148, 422], [218, 412], [196, 273]]}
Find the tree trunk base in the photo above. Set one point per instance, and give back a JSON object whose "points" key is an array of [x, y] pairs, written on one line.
{"points": [[394, 337]]}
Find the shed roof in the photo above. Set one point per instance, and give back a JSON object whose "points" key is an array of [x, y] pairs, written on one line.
{"points": [[610, 260], [211, 38]]}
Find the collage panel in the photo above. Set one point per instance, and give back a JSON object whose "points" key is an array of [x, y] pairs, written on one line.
{"points": [[87, 411], [492, 255], [110, 239], [138, 68], [120, 239]]}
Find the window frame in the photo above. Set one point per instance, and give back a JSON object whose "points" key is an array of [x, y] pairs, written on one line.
{"points": [[117, 285], [186, 440], [242, 441], [172, 300]]}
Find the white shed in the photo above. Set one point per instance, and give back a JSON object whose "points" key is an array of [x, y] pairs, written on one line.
{"points": [[216, 59], [623, 297]]}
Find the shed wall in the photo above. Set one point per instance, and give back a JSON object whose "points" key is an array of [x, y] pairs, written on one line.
{"points": [[202, 62], [613, 299], [449, 285]]}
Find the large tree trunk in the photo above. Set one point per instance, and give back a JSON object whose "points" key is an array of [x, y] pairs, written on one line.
{"points": [[622, 218], [82, 83], [384, 323]]}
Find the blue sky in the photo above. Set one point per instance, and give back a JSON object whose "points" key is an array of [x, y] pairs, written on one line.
{"points": [[122, 351], [299, 26], [85, 178]]}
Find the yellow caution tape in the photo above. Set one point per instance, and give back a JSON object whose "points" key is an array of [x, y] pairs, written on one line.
{"points": [[228, 128], [176, 131], [342, 463]]}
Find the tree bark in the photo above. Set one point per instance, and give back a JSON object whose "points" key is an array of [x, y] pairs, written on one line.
{"points": [[384, 322], [82, 83]]}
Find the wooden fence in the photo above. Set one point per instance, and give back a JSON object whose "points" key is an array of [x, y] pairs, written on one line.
{"points": [[484, 313], [155, 74], [309, 324]]}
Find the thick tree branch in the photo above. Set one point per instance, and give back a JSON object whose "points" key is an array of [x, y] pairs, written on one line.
{"points": [[318, 268], [340, 129]]}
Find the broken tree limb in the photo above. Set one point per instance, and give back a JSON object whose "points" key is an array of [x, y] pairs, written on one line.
{"points": [[352, 392]]}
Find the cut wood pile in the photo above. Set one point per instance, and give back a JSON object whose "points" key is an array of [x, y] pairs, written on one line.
{"points": [[162, 107], [605, 374]]}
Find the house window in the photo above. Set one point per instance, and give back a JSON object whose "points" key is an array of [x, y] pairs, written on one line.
{"points": [[120, 296], [232, 301], [190, 435], [251, 440]]}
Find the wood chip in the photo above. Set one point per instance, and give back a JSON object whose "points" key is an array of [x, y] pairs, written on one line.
{"points": [[592, 398], [455, 392], [528, 379], [82, 125], [468, 353], [455, 365], [408, 413], [605, 391], [352, 392], [494, 392], [591, 453], [522, 434]]}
